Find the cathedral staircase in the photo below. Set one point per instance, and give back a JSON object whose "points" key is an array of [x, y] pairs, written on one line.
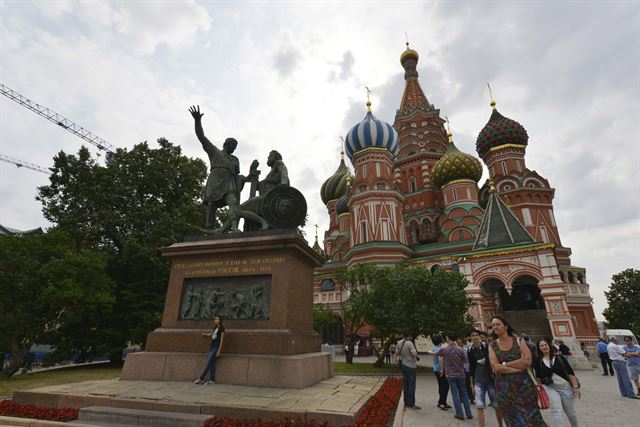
{"points": [[534, 323]]}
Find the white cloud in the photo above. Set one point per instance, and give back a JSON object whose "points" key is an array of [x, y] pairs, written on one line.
{"points": [[262, 72]]}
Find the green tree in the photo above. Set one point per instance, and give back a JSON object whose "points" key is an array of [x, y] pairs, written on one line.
{"points": [[390, 299], [48, 287], [141, 199], [623, 297], [323, 318]]}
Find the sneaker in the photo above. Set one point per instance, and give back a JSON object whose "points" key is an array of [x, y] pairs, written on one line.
{"points": [[209, 382], [446, 405], [458, 417], [443, 407], [469, 417], [198, 381], [415, 407]]}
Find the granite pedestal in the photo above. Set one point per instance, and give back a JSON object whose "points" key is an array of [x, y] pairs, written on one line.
{"points": [[266, 282]]}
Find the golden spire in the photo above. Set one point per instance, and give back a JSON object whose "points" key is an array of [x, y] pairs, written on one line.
{"points": [[368, 98], [348, 180], [492, 187], [316, 225], [341, 148], [449, 134], [493, 101]]}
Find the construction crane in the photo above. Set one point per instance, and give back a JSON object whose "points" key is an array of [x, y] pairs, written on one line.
{"points": [[59, 120], [21, 164]]}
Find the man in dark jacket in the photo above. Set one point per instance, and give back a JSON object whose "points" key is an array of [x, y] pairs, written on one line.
{"points": [[481, 377]]}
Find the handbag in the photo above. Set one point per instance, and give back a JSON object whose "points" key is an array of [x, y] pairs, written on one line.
{"points": [[543, 397], [541, 394]]}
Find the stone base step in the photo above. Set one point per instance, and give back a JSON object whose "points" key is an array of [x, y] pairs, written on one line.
{"points": [[105, 416]]}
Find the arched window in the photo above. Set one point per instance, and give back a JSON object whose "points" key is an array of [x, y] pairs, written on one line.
{"points": [[414, 232], [327, 285], [426, 226], [412, 185]]}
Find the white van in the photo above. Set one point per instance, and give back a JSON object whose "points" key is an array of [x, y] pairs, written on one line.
{"points": [[619, 334]]}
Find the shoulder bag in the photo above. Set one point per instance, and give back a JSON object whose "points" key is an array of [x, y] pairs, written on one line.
{"points": [[541, 393]]}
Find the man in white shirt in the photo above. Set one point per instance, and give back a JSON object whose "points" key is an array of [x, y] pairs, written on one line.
{"points": [[617, 355]]}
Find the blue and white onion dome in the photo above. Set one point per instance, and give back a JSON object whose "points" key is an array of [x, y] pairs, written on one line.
{"points": [[371, 133]]}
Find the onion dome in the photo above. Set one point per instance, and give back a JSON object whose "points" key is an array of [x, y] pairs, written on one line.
{"points": [[371, 133], [335, 186], [455, 165], [342, 205], [500, 130], [408, 54]]}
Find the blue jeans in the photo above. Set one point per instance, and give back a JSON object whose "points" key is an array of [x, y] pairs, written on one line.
{"points": [[458, 389], [409, 384], [481, 390], [624, 382], [210, 366]]}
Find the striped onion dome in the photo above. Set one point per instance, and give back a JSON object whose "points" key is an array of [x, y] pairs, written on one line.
{"points": [[335, 185], [455, 165], [371, 133], [500, 130]]}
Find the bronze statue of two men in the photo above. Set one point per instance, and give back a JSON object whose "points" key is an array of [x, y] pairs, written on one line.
{"points": [[225, 184]]}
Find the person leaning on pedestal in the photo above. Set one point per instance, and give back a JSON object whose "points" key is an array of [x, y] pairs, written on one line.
{"points": [[217, 338]]}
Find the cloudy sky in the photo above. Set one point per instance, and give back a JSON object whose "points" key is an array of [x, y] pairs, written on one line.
{"points": [[290, 76]]}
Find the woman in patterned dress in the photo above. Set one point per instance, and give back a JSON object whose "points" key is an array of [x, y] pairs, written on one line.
{"points": [[515, 391]]}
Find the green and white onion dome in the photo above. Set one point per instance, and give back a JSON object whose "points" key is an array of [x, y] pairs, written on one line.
{"points": [[336, 184]]}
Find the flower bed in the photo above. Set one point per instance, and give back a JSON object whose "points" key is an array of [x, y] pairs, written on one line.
{"points": [[27, 411], [377, 412], [382, 405]]}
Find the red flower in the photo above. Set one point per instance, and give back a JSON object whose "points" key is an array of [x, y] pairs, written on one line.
{"points": [[29, 411]]}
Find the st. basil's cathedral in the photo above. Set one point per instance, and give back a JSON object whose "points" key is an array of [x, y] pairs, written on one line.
{"points": [[414, 197]]}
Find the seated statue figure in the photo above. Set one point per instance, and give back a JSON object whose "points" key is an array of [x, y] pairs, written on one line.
{"points": [[252, 209]]}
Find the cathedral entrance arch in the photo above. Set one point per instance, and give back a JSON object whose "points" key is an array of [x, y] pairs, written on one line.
{"points": [[524, 295]]}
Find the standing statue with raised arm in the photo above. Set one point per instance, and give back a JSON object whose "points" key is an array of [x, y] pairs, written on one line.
{"points": [[224, 183]]}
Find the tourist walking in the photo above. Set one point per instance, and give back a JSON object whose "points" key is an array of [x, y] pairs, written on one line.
{"points": [[617, 356], [482, 377], [443, 384], [217, 338], [559, 381], [452, 360], [633, 360], [406, 353], [515, 390], [604, 357]]}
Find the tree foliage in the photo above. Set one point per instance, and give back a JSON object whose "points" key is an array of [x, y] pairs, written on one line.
{"points": [[390, 299], [140, 200], [323, 318], [49, 288], [623, 297]]}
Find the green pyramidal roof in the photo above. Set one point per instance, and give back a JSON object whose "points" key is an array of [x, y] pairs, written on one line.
{"points": [[500, 227]]}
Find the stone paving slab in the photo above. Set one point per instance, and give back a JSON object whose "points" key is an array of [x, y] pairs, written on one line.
{"points": [[338, 399]]}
